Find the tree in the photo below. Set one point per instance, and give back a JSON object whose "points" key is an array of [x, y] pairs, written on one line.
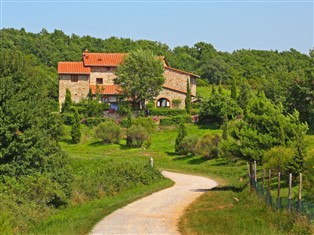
{"points": [[76, 129], [140, 76], [188, 97], [176, 103], [181, 134], [234, 89], [67, 102]]}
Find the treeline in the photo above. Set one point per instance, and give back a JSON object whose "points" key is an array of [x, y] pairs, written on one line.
{"points": [[285, 77]]}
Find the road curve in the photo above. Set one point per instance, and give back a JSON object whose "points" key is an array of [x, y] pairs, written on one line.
{"points": [[158, 213]]}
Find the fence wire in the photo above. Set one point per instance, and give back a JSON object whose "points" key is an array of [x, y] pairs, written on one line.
{"points": [[293, 205]]}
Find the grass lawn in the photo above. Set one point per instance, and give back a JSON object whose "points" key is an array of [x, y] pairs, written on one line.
{"points": [[228, 209]]}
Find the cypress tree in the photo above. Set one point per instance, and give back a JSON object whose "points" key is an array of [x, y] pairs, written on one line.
{"points": [[188, 97], [90, 94], [67, 102], [76, 129], [181, 134]]}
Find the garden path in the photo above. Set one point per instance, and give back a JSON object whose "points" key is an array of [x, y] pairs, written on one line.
{"points": [[158, 213]]}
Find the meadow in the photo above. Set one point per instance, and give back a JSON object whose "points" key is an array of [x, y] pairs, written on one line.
{"points": [[230, 208]]}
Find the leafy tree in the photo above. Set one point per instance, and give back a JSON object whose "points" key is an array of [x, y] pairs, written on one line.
{"points": [[181, 134], [76, 128], [218, 107], [66, 106], [140, 76], [28, 127], [188, 97]]}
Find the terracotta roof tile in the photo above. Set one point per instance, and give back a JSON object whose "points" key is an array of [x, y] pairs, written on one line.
{"points": [[106, 89], [72, 68], [102, 59]]}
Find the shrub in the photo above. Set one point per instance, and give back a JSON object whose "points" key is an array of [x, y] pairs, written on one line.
{"points": [[109, 132], [278, 159], [208, 146], [94, 108], [67, 118], [146, 122], [181, 134], [95, 121], [136, 136], [171, 121], [150, 105], [188, 144], [309, 175], [166, 112], [176, 103]]}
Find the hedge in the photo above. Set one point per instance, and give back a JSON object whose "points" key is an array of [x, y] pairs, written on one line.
{"points": [[166, 112], [95, 121], [171, 121]]}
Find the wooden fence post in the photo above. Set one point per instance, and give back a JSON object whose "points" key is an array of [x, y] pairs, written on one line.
{"points": [[300, 194], [278, 191], [289, 192]]}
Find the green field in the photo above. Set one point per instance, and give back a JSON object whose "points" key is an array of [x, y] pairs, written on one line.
{"points": [[228, 209]]}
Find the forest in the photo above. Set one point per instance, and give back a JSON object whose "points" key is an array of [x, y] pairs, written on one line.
{"points": [[272, 91], [285, 77]]}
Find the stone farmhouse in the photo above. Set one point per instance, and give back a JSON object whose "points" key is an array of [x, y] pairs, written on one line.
{"points": [[96, 73]]}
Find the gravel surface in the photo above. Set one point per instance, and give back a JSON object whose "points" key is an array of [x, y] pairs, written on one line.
{"points": [[158, 213]]}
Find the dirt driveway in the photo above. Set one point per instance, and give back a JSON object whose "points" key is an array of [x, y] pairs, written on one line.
{"points": [[158, 213]]}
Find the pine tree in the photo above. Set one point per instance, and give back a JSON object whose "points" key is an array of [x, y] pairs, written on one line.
{"points": [[234, 89], [181, 134], [76, 130], [188, 97], [67, 102]]}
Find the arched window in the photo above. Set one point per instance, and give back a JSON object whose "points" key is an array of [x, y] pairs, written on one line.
{"points": [[163, 102]]}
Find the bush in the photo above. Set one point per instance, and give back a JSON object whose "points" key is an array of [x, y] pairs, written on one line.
{"points": [[67, 118], [166, 112], [109, 132], [278, 159], [94, 108], [95, 121], [309, 175], [188, 144], [181, 135], [150, 105], [208, 146], [176, 103], [146, 122], [136, 136], [171, 121]]}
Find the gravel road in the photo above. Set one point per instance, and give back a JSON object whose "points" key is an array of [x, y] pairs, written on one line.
{"points": [[158, 213]]}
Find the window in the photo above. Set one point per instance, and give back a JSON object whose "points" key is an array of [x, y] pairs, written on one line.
{"points": [[163, 102], [74, 78], [99, 81]]}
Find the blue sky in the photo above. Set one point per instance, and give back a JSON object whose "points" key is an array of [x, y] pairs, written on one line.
{"points": [[228, 25]]}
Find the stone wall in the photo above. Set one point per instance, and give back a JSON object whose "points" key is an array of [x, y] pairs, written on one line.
{"points": [[177, 81], [78, 89], [171, 95], [106, 73]]}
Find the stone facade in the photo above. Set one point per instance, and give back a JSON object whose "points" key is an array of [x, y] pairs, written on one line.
{"points": [[78, 89], [106, 73], [173, 88]]}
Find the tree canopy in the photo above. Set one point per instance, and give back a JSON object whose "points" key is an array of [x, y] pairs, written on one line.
{"points": [[140, 76]]}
